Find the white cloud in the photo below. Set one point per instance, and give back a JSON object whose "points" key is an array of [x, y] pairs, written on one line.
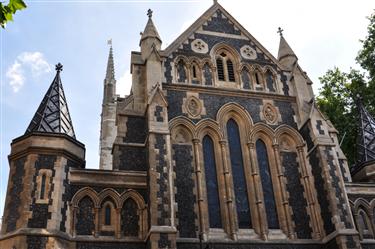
{"points": [[124, 84], [15, 75], [35, 61]]}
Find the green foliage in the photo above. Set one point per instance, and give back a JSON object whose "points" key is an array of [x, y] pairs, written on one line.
{"points": [[338, 95], [7, 11]]}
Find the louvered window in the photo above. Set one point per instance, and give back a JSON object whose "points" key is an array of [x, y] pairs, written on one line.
{"points": [[220, 69], [230, 71], [43, 187]]}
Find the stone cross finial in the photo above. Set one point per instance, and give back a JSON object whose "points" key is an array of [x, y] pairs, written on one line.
{"points": [[109, 42], [59, 67], [280, 31], [149, 13]]}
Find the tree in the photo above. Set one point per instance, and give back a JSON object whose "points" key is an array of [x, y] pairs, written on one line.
{"points": [[338, 95], [7, 11]]}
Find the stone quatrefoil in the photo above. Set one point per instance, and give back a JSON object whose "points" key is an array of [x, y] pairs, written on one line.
{"points": [[248, 52], [199, 46]]}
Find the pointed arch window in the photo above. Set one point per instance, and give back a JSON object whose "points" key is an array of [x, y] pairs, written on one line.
{"points": [[207, 75], [213, 199], [246, 84], [239, 180], [225, 67], [181, 72], [85, 224], [270, 81], [43, 187], [107, 215], [195, 73], [266, 180], [258, 80], [364, 225], [130, 218]]}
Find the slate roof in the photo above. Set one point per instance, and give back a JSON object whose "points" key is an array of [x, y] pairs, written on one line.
{"points": [[53, 115]]}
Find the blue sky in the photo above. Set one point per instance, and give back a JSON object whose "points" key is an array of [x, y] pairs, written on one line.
{"points": [[322, 33]]}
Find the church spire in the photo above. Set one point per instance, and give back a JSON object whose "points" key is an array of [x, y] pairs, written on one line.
{"points": [[366, 135], [110, 75], [286, 56], [53, 115], [109, 81]]}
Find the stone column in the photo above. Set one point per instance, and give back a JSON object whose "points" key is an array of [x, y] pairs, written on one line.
{"points": [[259, 218], [118, 223], [96, 212], [198, 174], [228, 190]]}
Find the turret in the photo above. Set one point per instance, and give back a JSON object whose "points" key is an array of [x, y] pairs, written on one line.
{"points": [[364, 169], [286, 56], [150, 38], [40, 162], [108, 128]]}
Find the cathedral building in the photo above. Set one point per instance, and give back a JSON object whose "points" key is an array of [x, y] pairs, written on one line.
{"points": [[219, 145]]}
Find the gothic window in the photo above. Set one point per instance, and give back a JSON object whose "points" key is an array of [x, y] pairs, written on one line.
{"points": [[213, 199], [364, 225], [258, 80], [107, 215], [130, 218], [220, 69], [195, 79], [270, 81], [181, 72], [230, 71], [246, 84], [207, 75], [225, 67], [239, 180], [266, 180], [85, 217], [43, 187]]}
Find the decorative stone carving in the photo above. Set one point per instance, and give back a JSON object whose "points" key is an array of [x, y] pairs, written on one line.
{"points": [[193, 106], [248, 52], [199, 46], [270, 113]]}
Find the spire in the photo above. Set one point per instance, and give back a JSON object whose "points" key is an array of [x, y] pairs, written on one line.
{"points": [[110, 75], [150, 29], [53, 115], [366, 135], [110, 81], [285, 52]]}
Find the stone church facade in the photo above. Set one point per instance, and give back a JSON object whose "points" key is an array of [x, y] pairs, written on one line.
{"points": [[219, 145]]}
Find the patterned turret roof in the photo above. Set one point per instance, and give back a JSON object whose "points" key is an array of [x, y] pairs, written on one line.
{"points": [[366, 135], [53, 115]]}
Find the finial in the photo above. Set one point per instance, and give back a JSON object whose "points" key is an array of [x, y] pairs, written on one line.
{"points": [[59, 67], [109, 42], [149, 13], [280, 31], [215, 1]]}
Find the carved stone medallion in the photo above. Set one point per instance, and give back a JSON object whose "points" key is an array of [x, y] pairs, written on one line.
{"points": [[248, 52], [193, 106], [199, 46], [270, 113]]}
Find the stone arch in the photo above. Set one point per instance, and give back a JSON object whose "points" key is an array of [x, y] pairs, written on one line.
{"points": [[262, 131], [270, 72], [223, 46], [361, 203], [238, 113], [258, 77], [285, 130], [182, 121], [210, 127], [195, 71], [137, 197], [112, 194], [86, 191]]}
